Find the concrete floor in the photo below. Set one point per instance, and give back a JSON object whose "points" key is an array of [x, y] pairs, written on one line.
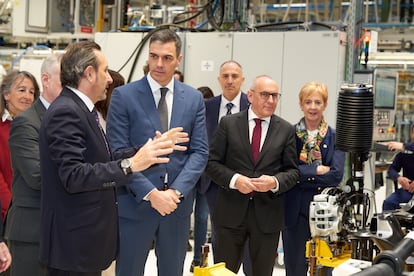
{"points": [[151, 267]]}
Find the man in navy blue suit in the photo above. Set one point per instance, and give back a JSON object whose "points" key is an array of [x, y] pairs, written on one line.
{"points": [[157, 205], [79, 214]]}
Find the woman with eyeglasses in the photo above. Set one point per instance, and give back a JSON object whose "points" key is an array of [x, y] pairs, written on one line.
{"points": [[320, 166], [18, 91]]}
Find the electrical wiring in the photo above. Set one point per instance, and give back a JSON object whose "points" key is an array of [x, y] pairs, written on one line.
{"points": [[138, 51], [216, 10], [215, 17], [28, 49], [200, 10]]}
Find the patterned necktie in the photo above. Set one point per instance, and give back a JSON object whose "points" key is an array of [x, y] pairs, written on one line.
{"points": [[163, 109], [257, 134], [95, 114], [229, 107]]}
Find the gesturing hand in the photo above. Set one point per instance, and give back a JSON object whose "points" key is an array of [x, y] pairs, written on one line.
{"points": [[176, 135], [152, 152]]}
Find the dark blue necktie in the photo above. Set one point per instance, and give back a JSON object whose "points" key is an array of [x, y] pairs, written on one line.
{"points": [[95, 114], [229, 107]]}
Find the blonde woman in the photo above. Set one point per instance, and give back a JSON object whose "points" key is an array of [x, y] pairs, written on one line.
{"points": [[320, 166]]}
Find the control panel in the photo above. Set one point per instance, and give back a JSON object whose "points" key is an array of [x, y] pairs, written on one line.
{"points": [[384, 125]]}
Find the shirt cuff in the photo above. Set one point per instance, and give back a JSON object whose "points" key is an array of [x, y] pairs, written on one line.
{"points": [[178, 193], [277, 185], [146, 196], [233, 181]]}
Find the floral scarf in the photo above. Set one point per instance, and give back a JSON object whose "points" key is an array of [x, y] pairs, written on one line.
{"points": [[311, 152]]}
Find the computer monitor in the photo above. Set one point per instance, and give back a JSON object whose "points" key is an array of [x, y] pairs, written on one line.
{"points": [[385, 89]]}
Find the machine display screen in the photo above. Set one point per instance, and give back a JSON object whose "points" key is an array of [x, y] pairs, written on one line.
{"points": [[385, 88]]}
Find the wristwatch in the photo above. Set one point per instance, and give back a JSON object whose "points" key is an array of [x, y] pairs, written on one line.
{"points": [[126, 166]]}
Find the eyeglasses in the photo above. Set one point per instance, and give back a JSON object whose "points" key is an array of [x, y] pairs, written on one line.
{"points": [[266, 95]]}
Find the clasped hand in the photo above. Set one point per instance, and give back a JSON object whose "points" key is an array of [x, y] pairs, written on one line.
{"points": [[165, 202], [321, 169], [246, 185], [5, 257]]}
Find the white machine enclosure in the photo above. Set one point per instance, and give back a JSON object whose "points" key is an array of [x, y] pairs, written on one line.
{"points": [[291, 58]]}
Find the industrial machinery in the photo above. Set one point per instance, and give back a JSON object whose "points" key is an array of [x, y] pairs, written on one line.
{"points": [[385, 102], [340, 217], [61, 18], [392, 261], [342, 222]]}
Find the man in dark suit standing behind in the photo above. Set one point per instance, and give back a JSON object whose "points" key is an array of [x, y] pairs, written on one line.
{"points": [[253, 161], [231, 101], [79, 219], [23, 218]]}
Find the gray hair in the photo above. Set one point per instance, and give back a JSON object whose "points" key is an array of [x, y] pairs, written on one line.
{"points": [[50, 61]]}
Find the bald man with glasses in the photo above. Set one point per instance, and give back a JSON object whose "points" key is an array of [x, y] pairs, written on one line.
{"points": [[253, 161]]}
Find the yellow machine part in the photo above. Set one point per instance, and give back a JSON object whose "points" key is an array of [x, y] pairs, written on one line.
{"points": [[218, 269], [323, 253]]}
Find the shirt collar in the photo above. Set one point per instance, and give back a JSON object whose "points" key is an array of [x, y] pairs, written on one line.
{"points": [[83, 97], [251, 116], [6, 116], [155, 86], [235, 101], [45, 103]]}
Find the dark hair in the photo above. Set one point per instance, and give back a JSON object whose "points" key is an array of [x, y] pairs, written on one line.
{"points": [[145, 68], [180, 74], [8, 82], [206, 91], [117, 80], [165, 36], [75, 60]]}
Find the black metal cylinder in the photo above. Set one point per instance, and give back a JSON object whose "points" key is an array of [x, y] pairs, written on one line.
{"points": [[354, 119]]}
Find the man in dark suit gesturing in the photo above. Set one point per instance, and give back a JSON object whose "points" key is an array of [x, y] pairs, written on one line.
{"points": [[159, 203], [79, 219], [253, 161]]}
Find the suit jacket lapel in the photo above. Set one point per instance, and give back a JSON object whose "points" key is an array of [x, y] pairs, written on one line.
{"points": [[146, 99], [90, 117], [272, 130], [178, 102], [215, 112], [39, 108], [243, 125], [244, 102]]}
